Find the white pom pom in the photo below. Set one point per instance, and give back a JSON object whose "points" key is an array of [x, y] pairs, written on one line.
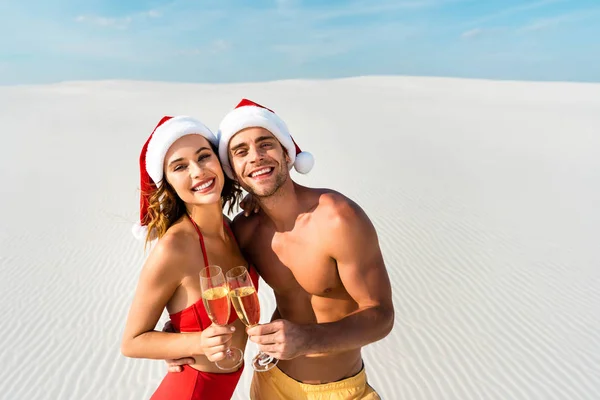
{"points": [[304, 162], [139, 231]]}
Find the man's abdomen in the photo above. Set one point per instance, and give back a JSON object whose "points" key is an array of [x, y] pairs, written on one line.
{"points": [[323, 368]]}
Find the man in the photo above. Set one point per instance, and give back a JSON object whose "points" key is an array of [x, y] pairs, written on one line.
{"points": [[319, 252]]}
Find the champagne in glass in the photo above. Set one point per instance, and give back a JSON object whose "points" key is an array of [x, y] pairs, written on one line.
{"points": [[245, 302], [216, 302]]}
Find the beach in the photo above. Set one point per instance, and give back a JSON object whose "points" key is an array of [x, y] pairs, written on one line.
{"points": [[484, 194]]}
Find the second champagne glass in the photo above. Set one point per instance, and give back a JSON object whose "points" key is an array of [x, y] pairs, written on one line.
{"points": [[245, 301], [216, 301]]}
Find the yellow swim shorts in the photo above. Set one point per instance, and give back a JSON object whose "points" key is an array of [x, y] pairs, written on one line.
{"points": [[275, 385]]}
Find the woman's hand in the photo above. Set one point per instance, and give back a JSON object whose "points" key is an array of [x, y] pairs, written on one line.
{"points": [[249, 204], [215, 341]]}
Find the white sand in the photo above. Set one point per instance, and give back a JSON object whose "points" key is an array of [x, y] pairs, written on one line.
{"points": [[485, 194]]}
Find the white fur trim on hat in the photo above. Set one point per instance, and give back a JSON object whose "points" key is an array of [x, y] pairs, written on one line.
{"points": [[139, 231], [304, 162], [163, 138], [252, 117]]}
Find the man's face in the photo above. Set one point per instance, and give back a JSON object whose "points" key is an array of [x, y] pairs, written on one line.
{"points": [[259, 161]]}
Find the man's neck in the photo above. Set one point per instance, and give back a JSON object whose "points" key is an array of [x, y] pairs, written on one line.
{"points": [[283, 207], [209, 218]]}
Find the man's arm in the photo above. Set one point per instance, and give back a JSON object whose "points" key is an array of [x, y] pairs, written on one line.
{"points": [[355, 247], [352, 242]]}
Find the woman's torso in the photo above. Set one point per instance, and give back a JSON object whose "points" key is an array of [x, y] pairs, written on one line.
{"points": [[186, 309]]}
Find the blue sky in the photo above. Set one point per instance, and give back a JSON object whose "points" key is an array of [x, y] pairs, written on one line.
{"points": [[258, 40]]}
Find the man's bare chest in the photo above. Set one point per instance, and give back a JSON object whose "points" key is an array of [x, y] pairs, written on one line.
{"points": [[288, 264]]}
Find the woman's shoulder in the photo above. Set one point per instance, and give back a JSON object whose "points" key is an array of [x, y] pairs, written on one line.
{"points": [[177, 240], [174, 247]]}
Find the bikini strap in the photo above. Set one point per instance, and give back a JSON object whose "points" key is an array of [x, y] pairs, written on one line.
{"points": [[204, 255]]}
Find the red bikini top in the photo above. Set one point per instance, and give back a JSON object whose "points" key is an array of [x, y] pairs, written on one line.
{"points": [[194, 318]]}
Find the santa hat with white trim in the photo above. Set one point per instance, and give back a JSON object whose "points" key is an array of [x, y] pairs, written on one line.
{"points": [[248, 114], [152, 158]]}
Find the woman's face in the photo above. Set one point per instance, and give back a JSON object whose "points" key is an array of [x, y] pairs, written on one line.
{"points": [[194, 171]]}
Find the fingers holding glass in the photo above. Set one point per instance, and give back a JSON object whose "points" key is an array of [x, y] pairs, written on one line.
{"points": [[215, 296], [245, 302]]}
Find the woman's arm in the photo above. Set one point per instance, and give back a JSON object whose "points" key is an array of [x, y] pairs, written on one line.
{"points": [[160, 277]]}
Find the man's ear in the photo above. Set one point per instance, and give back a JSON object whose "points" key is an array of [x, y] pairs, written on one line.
{"points": [[287, 157]]}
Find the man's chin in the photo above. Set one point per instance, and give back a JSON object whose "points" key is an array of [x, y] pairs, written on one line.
{"points": [[260, 191]]}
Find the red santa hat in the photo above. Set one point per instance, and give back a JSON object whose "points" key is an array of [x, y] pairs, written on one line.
{"points": [[248, 114], [152, 158]]}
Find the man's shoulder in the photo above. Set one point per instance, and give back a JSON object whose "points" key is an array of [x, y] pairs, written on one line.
{"points": [[243, 223], [342, 221], [333, 206]]}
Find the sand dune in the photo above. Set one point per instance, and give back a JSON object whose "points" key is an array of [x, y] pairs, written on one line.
{"points": [[485, 196]]}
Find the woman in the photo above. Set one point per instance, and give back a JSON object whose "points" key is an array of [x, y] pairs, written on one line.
{"points": [[184, 191]]}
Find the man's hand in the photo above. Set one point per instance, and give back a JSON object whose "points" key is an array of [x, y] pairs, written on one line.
{"points": [[176, 365], [281, 339], [249, 204]]}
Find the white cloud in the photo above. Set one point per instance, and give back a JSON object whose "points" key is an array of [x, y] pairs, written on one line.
{"points": [[190, 52], [546, 23], [286, 3], [302, 53], [220, 45], [473, 33], [215, 47], [541, 24], [373, 8], [118, 23], [153, 14], [506, 12], [477, 33]]}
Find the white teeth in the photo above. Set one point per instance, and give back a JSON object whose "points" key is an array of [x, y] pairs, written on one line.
{"points": [[201, 187], [260, 172]]}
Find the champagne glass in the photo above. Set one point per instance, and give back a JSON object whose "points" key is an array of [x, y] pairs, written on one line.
{"points": [[216, 301], [245, 301]]}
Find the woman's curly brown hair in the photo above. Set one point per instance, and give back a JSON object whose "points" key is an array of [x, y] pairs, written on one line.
{"points": [[165, 207]]}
